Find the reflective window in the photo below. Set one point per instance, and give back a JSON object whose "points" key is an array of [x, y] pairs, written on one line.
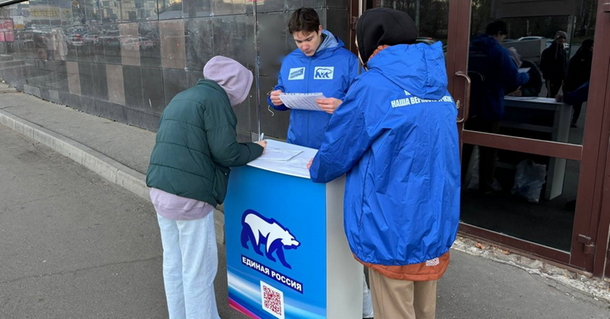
{"points": [[521, 195], [550, 47]]}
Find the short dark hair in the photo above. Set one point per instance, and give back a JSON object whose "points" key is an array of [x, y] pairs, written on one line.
{"points": [[496, 27], [304, 20]]}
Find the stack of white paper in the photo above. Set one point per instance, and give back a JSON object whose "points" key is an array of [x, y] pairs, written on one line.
{"points": [[302, 101]]}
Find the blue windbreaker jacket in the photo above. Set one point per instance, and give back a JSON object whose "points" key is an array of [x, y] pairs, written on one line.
{"points": [[493, 62], [395, 136], [330, 71]]}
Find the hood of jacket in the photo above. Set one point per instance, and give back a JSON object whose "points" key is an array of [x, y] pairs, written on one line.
{"points": [[417, 68], [330, 42]]}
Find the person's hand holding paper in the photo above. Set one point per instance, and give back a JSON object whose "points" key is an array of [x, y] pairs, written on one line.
{"points": [[329, 105], [275, 97], [302, 101]]}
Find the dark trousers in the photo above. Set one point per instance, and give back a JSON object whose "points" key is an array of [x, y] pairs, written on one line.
{"points": [[487, 156], [553, 86], [577, 108]]}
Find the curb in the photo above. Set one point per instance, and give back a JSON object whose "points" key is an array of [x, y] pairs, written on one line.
{"points": [[95, 161]]}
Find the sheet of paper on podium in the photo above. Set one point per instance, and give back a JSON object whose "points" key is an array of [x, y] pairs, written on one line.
{"points": [[279, 154], [302, 101], [284, 158]]}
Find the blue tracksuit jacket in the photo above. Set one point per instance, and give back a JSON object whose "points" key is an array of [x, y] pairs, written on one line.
{"points": [[330, 71], [395, 135]]}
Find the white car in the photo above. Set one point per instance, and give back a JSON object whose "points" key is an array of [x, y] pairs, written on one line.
{"points": [[530, 38], [130, 44], [548, 42]]}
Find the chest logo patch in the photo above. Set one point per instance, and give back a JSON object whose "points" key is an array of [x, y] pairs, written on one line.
{"points": [[324, 73], [296, 74]]}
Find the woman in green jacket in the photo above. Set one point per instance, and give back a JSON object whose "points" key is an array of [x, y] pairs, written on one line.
{"points": [[188, 174]]}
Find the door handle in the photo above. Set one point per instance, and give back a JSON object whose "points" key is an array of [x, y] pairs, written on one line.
{"points": [[466, 103], [607, 7]]}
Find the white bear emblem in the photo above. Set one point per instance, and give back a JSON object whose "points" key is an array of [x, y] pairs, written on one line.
{"points": [[258, 230]]}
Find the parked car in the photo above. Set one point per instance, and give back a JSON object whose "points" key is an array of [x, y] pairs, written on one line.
{"points": [[146, 43], [130, 43], [110, 39], [426, 40], [546, 40], [75, 39], [530, 48], [429, 40], [91, 39], [530, 38]]}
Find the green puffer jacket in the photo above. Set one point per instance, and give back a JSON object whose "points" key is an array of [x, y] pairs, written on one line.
{"points": [[196, 145]]}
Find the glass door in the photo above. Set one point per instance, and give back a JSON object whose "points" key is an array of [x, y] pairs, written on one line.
{"points": [[524, 182]]}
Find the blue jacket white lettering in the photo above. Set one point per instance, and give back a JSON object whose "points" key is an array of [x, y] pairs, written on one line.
{"points": [[330, 71], [395, 136]]}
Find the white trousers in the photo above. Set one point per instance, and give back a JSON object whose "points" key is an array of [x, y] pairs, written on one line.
{"points": [[367, 302], [190, 262]]}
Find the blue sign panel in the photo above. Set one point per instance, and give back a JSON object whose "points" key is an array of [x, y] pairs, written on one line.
{"points": [[276, 245]]}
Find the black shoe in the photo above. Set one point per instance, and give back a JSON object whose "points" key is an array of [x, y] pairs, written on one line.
{"points": [[573, 125]]}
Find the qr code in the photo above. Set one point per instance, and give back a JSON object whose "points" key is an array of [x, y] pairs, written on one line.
{"points": [[272, 300]]}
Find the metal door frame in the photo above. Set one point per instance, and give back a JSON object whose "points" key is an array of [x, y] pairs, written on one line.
{"points": [[591, 220], [600, 161]]}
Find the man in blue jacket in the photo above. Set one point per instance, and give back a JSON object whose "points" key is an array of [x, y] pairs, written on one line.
{"points": [[492, 71], [319, 64], [395, 136]]}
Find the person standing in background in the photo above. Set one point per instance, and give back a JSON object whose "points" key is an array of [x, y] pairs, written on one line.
{"points": [[493, 75], [579, 72], [553, 64]]}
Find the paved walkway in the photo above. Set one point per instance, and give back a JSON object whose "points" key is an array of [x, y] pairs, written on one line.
{"points": [[491, 285]]}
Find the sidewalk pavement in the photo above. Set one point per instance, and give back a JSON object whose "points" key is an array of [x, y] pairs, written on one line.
{"points": [[496, 284]]}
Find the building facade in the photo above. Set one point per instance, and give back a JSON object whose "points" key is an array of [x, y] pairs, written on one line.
{"points": [[125, 60]]}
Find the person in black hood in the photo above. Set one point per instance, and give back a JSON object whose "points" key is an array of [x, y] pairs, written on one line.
{"points": [[553, 64], [383, 27], [579, 71], [397, 119]]}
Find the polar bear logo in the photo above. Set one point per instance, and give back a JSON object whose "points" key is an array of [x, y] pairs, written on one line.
{"points": [[258, 230], [323, 73]]}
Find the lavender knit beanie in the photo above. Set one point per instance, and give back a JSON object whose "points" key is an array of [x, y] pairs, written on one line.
{"points": [[233, 77]]}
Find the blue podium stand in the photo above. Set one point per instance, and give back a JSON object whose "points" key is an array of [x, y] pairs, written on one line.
{"points": [[287, 255]]}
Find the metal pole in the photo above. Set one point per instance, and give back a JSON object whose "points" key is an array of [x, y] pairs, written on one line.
{"points": [[417, 14], [257, 66]]}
